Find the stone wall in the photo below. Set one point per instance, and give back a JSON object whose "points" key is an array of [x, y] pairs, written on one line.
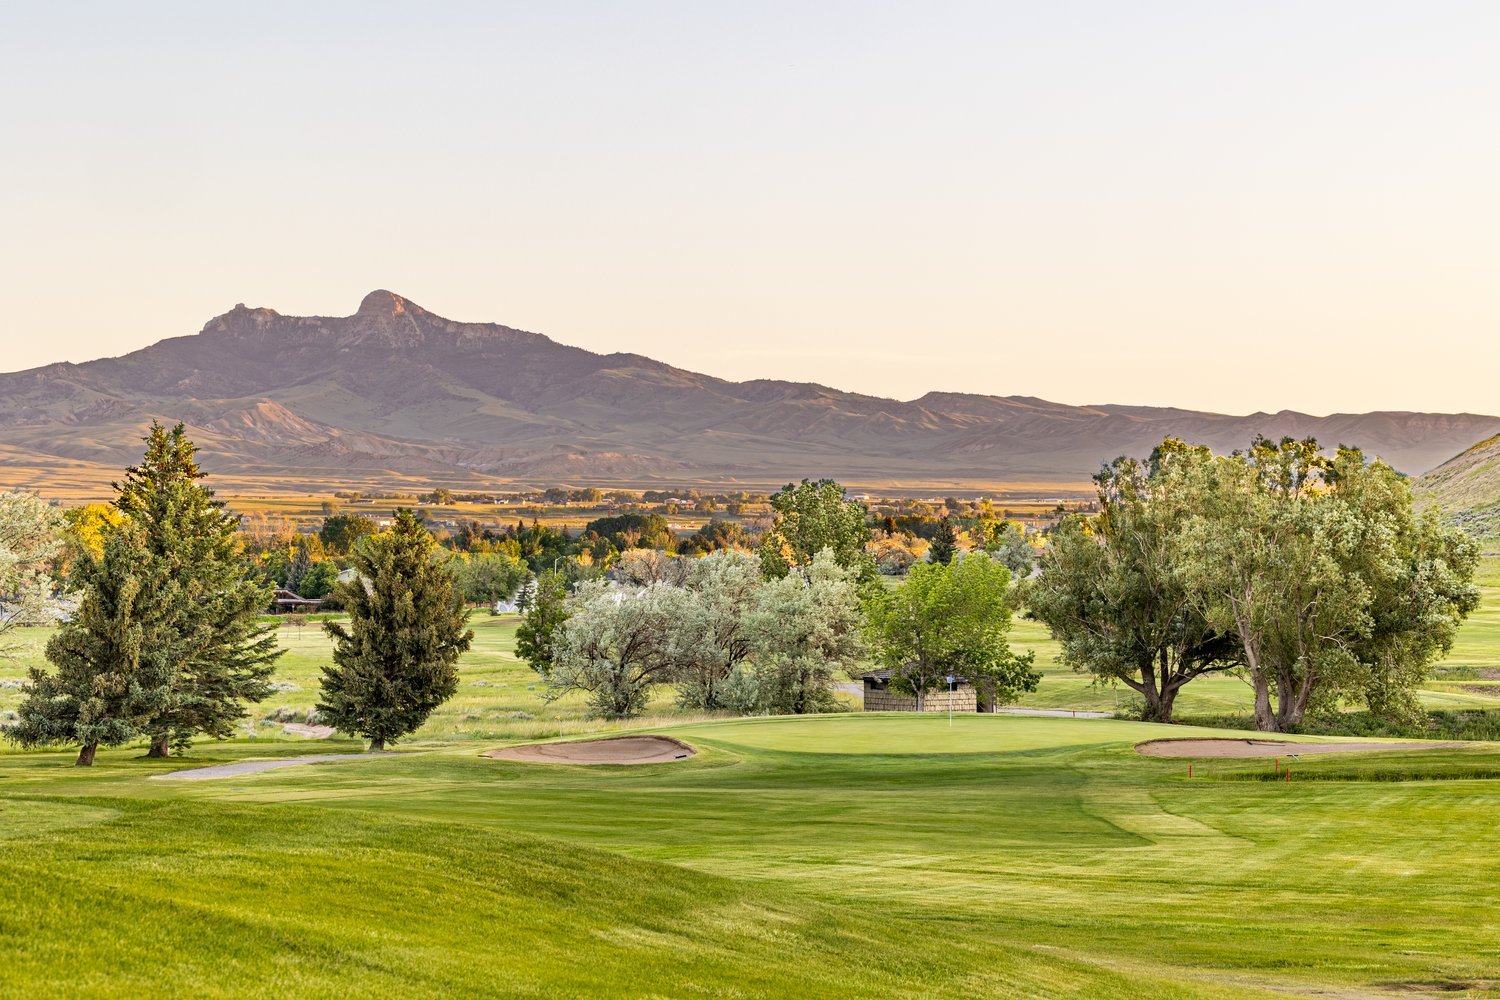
{"points": [[886, 700]]}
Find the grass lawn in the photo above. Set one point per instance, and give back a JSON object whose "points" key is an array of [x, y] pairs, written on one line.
{"points": [[854, 855]]}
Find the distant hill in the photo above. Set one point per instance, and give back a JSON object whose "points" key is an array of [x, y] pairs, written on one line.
{"points": [[1467, 487], [394, 394]]}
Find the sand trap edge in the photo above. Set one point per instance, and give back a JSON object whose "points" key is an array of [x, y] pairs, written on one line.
{"points": [[669, 750]]}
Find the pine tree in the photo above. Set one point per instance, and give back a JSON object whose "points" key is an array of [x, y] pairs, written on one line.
{"points": [[115, 657], [944, 543], [226, 654], [397, 659], [545, 614]]}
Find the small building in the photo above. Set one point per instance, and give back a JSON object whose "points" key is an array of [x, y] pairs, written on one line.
{"points": [[879, 697], [287, 603]]}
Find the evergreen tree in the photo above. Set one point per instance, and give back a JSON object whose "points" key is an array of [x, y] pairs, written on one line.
{"points": [[397, 659], [546, 611], [225, 655], [944, 543], [115, 657]]}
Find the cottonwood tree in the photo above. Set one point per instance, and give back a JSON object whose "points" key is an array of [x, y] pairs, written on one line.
{"points": [[808, 518], [1112, 588], [30, 538], [950, 620], [490, 577], [226, 654], [1320, 567], [615, 646], [341, 532], [115, 658], [806, 629], [397, 660]]}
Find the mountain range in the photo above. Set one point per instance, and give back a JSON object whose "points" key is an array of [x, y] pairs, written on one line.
{"points": [[396, 395]]}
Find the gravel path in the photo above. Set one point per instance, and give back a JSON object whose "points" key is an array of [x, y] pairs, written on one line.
{"points": [[253, 766]]}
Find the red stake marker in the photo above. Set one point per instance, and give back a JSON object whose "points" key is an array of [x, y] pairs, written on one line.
{"points": [[1190, 770], [1288, 776]]}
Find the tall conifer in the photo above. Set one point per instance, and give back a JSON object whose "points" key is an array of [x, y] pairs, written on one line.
{"points": [[226, 654], [397, 659], [115, 657]]}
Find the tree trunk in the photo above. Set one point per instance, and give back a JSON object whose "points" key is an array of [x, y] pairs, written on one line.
{"points": [[1265, 719], [1291, 699], [377, 744], [1164, 705], [86, 755], [921, 700], [160, 745]]}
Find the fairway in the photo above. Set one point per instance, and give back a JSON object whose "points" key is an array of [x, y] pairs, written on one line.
{"points": [[855, 855], [852, 855]]}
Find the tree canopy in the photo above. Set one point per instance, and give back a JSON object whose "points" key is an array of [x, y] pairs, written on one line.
{"points": [[950, 620], [1113, 591], [809, 517], [1334, 586]]}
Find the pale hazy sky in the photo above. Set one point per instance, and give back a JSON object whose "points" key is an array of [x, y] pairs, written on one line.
{"points": [[1231, 206]]}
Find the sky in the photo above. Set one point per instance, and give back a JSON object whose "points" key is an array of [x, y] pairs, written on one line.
{"points": [[1218, 205]]}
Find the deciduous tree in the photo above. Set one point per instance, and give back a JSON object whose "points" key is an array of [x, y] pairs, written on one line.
{"points": [[950, 621], [1332, 584], [615, 646], [808, 518], [1113, 591], [30, 537]]}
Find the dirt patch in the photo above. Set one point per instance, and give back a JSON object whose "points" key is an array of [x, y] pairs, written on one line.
{"points": [[612, 750], [1222, 748]]}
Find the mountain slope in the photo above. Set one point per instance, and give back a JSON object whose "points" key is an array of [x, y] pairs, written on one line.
{"points": [[394, 393], [1467, 487]]}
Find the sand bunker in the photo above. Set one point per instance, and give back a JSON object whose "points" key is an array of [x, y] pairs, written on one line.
{"points": [[612, 750], [1266, 748]]}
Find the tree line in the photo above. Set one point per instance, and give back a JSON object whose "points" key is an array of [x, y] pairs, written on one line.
{"points": [[1311, 575], [166, 640]]}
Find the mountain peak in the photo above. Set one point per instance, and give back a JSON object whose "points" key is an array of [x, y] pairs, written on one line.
{"points": [[383, 303]]}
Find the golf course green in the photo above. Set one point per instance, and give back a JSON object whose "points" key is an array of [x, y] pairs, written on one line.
{"points": [[849, 855]]}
